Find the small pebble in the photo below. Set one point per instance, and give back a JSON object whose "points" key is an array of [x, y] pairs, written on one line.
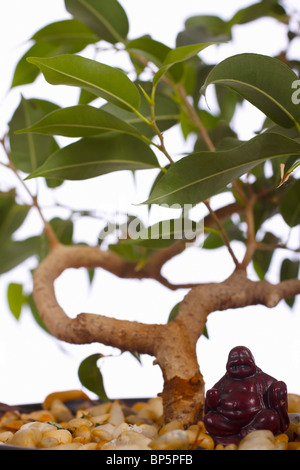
{"points": [[258, 440]]}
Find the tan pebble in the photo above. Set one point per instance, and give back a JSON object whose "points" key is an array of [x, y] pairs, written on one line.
{"points": [[293, 446], [258, 440], [103, 432], [89, 446], [5, 436], [82, 434], [8, 417], [132, 437], [43, 427], [71, 446], [99, 410], [125, 447], [60, 411], [62, 435], [26, 437], [39, 415], [281, 442], [172, 440], [46, 442], [116, 414], [219, 447], [120, 429], [205, 442], [175, 424], [147, 430], [293, 403], [293, 430], [99, 419], [231, 447], [78, 422]]}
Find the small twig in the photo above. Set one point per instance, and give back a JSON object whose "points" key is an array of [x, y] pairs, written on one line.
{"points": [[251, 239], [53, 240], [223, 233], [195, 119]]}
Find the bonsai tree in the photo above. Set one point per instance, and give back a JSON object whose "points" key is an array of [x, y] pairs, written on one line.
{"points": [[163, 87]]}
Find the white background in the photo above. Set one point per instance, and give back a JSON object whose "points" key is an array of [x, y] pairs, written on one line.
{"points": [[32, 364]]}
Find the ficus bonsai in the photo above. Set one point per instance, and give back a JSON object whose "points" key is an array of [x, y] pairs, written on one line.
{"points": [[126, 133]]}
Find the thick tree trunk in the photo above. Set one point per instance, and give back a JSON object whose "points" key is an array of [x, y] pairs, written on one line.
{"points": [[174, 344]]}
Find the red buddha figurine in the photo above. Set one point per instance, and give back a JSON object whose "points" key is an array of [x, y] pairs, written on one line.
{"points": [[245, 399]]}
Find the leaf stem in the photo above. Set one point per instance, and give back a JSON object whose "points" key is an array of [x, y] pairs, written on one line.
{"points": [[223, 233], [195, 118], [47, 227]]}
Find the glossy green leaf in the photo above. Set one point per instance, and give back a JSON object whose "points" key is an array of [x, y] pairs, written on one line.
{"points": [[164, 233], [12, 221], [262, 258], [25, 72], [106, 18], [28, 151], [13, 253], [100, 79], [155, 52], [289, 270], [256, 78], [215, 240], [290, 207], [91, 377], [80, 121], [29, 302], [214, 24], [63, 37], [71, 35], [178, 55], [92, 157], [202, 175], [15, 299], [166, 114], [259, 10]]}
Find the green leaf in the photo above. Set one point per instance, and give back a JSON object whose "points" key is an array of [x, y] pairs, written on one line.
{"points": [[34, 311], [166, 114], [91, 377], [103, 80], [164, 233], [290, 207], [71, 35], [28, 152], [96, 156], [80, 121], [155, 52], [63, 37], [25, 72], [180, 54], [13, 219], [215, 240], [13, 253], [257, 77], [289, 270], [259, 10], [15, 299], [202, 175], [106, 18], [213, 24], [262, 258]]}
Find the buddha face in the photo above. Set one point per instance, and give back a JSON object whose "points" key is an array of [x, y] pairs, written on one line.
{"points": [[240, 363]]}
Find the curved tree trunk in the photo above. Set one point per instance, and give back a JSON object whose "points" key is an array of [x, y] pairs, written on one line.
{"points": [[174, 344]]}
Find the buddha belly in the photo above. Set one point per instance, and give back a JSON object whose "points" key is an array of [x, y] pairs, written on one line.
{"points": [[240, 404]]}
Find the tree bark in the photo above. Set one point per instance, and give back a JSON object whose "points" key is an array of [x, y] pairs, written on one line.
{"points": [[173, 344]]}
